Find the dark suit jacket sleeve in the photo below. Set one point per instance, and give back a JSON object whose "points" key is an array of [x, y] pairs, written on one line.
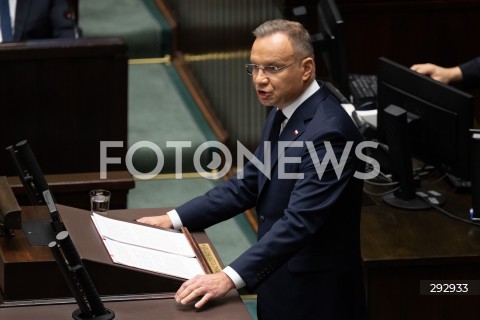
{"points": [[62, 27], [42, 19], [471, 72], [222, 202]]}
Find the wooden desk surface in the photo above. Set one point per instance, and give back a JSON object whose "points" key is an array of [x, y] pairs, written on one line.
{"points": [[72, 189], [403, 249], [228, 307], [391, 235]]}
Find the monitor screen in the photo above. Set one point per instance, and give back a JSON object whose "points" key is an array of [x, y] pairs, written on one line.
{"points": [[443, 116], [323, 21], [332, 44]]}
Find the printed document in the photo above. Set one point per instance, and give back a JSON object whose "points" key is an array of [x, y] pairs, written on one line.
{"points": [[163, 251]]}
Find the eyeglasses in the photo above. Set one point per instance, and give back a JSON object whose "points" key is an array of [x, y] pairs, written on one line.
{"points": [[252, 69]]}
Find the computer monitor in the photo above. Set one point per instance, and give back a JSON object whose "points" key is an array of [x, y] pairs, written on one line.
{"points": [[323, 21], [438, 117], [330, 41]]}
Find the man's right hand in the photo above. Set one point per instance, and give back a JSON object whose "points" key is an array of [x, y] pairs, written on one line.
{"points": [[162, 221]]}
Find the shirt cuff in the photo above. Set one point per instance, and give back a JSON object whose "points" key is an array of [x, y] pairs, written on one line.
{"points": [[233, 275], [176, 222]]}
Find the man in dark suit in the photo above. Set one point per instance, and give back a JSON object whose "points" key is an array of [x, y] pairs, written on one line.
{"points": [[42, 19], [306, 263]]}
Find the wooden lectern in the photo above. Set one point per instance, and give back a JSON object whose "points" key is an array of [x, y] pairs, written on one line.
{"points": [[29, 275], [64, 96], [30, 272]]}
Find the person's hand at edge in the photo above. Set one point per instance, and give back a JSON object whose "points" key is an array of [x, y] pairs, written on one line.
{"points": [[444, 75], [162, 221], [209, 287]]}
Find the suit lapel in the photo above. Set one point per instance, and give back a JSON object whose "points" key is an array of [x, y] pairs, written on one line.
{"points": [[294, 129], [21, 13], [268, 127]]}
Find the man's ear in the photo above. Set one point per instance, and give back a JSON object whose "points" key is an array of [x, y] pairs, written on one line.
{"points": [[308, 68]]}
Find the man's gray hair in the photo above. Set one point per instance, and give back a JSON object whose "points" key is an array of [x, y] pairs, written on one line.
{"points": [[296, 33]]}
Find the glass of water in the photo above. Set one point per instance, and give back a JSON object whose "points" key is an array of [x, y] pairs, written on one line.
{"points": [[99, 201]]}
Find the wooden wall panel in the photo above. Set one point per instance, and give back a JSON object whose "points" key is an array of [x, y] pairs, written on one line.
{"points": [[409, 31], [64, 97]]}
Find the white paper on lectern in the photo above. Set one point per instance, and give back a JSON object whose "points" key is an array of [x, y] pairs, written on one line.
{"points": [[143, 236], [148, 248], [153, 260]]}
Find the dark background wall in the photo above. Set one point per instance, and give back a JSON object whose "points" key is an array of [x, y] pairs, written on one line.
{"points": [[410, 31], [215, 36]]}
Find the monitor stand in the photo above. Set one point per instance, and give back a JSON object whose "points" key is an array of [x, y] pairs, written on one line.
{"points": [[423, 199]]}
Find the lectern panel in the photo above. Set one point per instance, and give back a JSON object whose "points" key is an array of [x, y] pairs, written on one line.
{"points": [[30, 272]]}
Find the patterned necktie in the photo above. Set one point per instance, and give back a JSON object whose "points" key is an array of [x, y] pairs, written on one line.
{"points": [[6, 22], [277, 123]]}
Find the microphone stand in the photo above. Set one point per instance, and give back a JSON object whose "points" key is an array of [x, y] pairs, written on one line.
{"points": [[78, 280]]}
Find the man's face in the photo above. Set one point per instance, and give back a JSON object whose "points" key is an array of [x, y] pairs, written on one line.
{"points": [[281, 88]]}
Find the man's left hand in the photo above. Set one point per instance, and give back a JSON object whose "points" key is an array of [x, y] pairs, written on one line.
{"points": [[210, 286]]}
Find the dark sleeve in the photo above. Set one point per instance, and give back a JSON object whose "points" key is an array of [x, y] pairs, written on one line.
{"points": [[226, 200], [222, 202], [471, 72], [63, 25]]}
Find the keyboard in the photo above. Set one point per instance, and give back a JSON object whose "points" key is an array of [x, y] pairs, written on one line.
{"points": [[363, 88]]}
